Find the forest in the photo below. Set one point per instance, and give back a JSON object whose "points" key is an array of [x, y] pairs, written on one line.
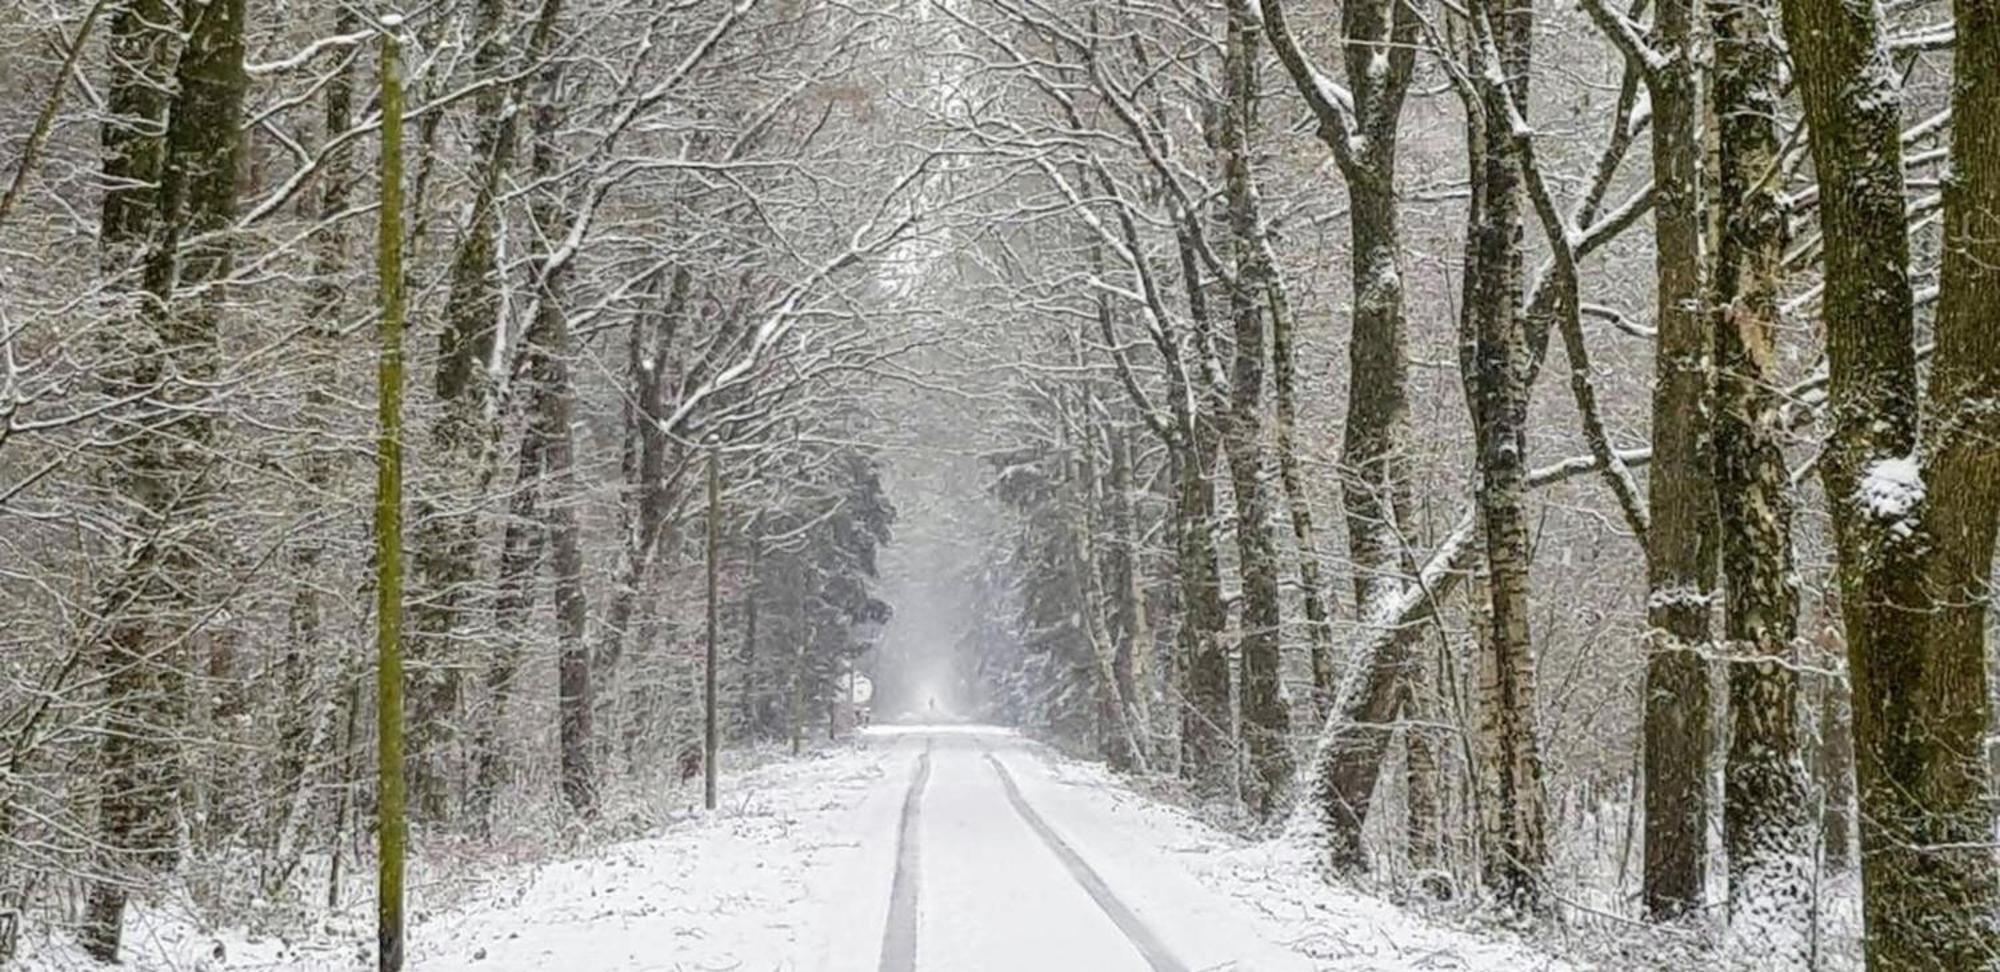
{"points": [[435, 433]]}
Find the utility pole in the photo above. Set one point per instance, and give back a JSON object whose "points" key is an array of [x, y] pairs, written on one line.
{"points": [[713, 739], [389, 514]]}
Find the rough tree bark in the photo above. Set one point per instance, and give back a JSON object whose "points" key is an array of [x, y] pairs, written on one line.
{"points": [[1681, 544], [1766, 814], [1266, 714], [1361, 133], [164, 471], [1914, 520], [1498, 357]]}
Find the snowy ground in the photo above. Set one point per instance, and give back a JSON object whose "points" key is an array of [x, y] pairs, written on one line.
{"points": [[954, 850]]}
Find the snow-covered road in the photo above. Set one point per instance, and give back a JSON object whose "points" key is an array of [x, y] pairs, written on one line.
{"points": [[1000, 868], [923, 849], [941, 849], [929, 849], [990, 891]]}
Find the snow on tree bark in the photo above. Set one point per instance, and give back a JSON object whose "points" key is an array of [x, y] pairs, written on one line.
{"points": [[1681, 540], [462, 450], [167, 477], [1766, 813], [1379, 58], [1513, 845], [1266, 714], [1914, 518]]}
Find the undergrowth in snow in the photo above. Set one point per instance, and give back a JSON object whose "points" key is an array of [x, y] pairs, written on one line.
{"points": [[1278, 882], [793, 873], [655, 883]]}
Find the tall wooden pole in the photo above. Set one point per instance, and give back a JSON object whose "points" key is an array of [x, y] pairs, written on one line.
{"points": [[389, 514], [713, 740]]}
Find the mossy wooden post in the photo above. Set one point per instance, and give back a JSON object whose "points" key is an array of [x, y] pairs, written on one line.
{"points": [[389, 512], [712, 739]]}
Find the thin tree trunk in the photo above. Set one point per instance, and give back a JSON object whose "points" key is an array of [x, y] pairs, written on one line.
{"points": [[554, 405], [463, 437], [1266, 714], [1134, 634], [643, 515], [521, 549], [1514, 845], [1681, 541], [1836, 777], [1208, 745], [711, 725], [165, 476], [752, 716], [1766, 814], [304, 724], [465, 441], [1312, 584]]}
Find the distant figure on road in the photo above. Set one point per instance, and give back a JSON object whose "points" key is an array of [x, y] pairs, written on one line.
{"points": [[933, 705]]}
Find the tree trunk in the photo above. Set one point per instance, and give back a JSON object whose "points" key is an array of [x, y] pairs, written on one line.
{"points": [[1312, 585], [522, 546], [1836, 776], [305, 723], [553, 401], [1266, 713], [1374, 481], [1681, 541], [1511, 807], [753, 720], [644, 511], [1766, 813], [1963, 474], [1134, 633], [711, 751], [1208, 746], [463, 439], [164, 475], [1424, 778], [1915, 542]]}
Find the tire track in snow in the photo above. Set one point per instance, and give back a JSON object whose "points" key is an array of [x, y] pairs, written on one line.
{"points": [[899, 935], [1142, 938]]}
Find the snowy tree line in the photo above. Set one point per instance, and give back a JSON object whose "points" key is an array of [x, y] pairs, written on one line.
{"points": [[1222, 324], [1690, 640], [638, 238]]}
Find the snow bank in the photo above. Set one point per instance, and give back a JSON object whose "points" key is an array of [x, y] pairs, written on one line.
{"points": [[770, 880]]}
